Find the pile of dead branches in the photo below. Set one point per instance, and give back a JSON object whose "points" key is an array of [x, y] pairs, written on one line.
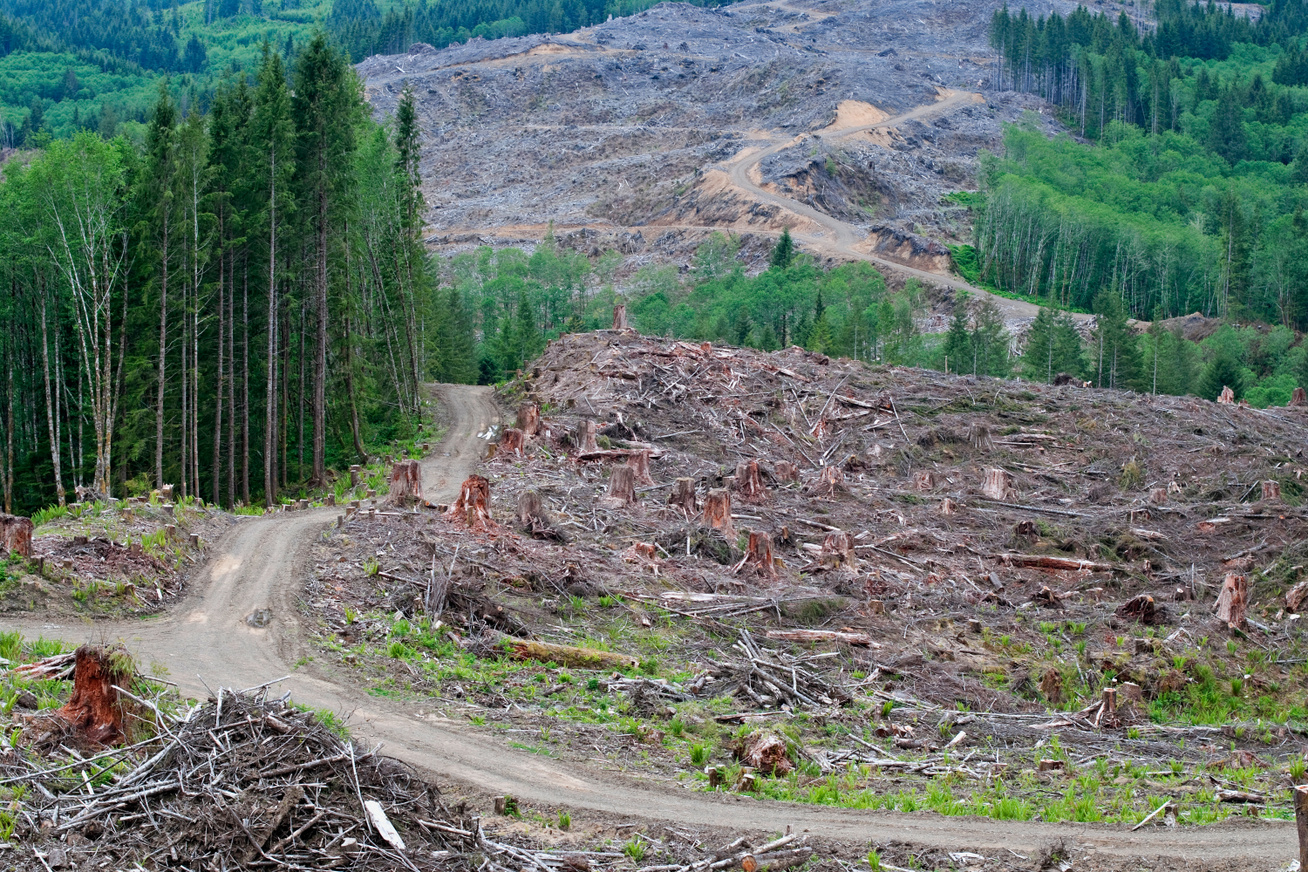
{"points": [[786, 852], [769, 678], [245, 782]]}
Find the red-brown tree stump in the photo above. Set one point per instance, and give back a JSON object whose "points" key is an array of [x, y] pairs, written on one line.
{"points": [[1299, 397], [94, 709], [1296, 596], [830, 482], [948, 507], [1271, 490], [838, 551], [620, 317], [15, 535], [406, 484], [622, 488], [749, 482], [758, 554], [1140, 608], [512, 441], [1233, 600], [1158, 495], [717, 512], [787, 472], [528, 419], [683, 496], [997, 485], [924, 480], [1226, 397], [638, 461], [584, 438], [473, 505]]}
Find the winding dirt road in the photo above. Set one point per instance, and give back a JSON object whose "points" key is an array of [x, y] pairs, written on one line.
{"points": [[260, 563]]}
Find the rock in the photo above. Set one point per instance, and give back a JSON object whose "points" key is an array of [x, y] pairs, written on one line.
{"points": [[259, 618]]}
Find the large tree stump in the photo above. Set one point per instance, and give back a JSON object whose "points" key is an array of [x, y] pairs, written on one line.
{"points": [[749, 482], [639, 463], [473, 505], [622, 488], [583, 439], [1299, 397], [786, 472], [354, 475], [512, 441], [620, 317], [924, 480], [683, 496], [1226, 397], [1296, 596], [830, 482], [838, 551], [948, 507], [765, 752], [998, 485], [1140, 608], [15, 535], [758, 554], [94, 710], [1233, 600], [1271, 490], [533, 518], [406, 484], [979, 437], [717, 512], [528, 419], [1158, 496]]}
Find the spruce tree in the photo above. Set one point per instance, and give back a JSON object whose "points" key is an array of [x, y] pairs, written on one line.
{"points": [[783, 253], [1222, 371], [958, 341], [1116, 349]]}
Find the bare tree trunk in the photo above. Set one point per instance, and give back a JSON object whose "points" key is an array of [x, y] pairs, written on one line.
{"points": [[231, 382], [349, 389], [270, 412], [9, 428], [219, 381], [245, 377], [51, 422], [163, 357], [320, 359]]}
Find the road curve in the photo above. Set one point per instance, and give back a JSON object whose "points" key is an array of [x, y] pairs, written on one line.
{"points": [[261, 563]]}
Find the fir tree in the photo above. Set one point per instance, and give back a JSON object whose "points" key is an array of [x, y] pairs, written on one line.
{"points": [[783, 253]]}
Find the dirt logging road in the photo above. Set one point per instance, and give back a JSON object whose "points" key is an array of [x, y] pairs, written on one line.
{"points": [[262, 563]]}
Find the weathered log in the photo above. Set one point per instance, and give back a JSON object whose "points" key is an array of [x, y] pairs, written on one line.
{"points": [[786, 472], [638, 461], [512, 441], [1271, 490], [566, 655], [830, 482], [1233, 600], [683, 496], [584, 438], [717, 512], [758, 554], [406, 484], [473, 505], [1226, 397], [16, 535], [838, 551], [1299, 397], [749, 482], [1044, 561], [622, 486], [998, 484], [858, 640], [528, 419], [94, 709], [620, 317]]}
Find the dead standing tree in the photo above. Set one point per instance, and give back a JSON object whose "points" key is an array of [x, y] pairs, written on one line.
{"points": [[406, 484], [15, 535], [473, 505]]}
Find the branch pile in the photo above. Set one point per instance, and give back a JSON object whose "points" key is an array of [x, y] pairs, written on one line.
{"points": [[769, 678]]}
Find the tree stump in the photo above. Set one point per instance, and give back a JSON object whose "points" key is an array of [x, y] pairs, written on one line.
{"points": [[16, 535], [838, 551], [1157, 495], [1296, 596], [528, 419], [620, 317], [787, 472], [583, 439], [765, 752], [1139, 608], [622, 487], [717, 512], [1226, 397], [406, 484], [512, 441], [473, 505], [830, 482], [924, 480], [166, 492], [354, 475], [1233, 600], [998, 484], [758, 554], [979, 438], [639, 463], [683, 496], [1051, 685], [1299, 397], [948, 508], [749, 482], [94, 710], [1272, 490], [1301, 822]]}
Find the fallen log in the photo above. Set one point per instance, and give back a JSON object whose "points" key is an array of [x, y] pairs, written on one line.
{"points": [[858, 640], [1045, 561], [565, 655]]}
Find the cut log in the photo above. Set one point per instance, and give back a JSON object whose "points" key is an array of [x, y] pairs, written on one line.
{"points": [[1271, 490], [683, 496], [1299, 397], [787, 472], [622, 487], [638, 461], [749, 482], [583, 439], [512, 441], [1296, 596], [998, 485], [858, 640], [94, 710], [1226, 397], [924, 480], [1044, 561], [758, 554], [620, 317], [566, 655], [1233, 600], [473, 505], [16, 535], [830, 483], [528, 419], [717, 512], [838, 551], [406, 484]]}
